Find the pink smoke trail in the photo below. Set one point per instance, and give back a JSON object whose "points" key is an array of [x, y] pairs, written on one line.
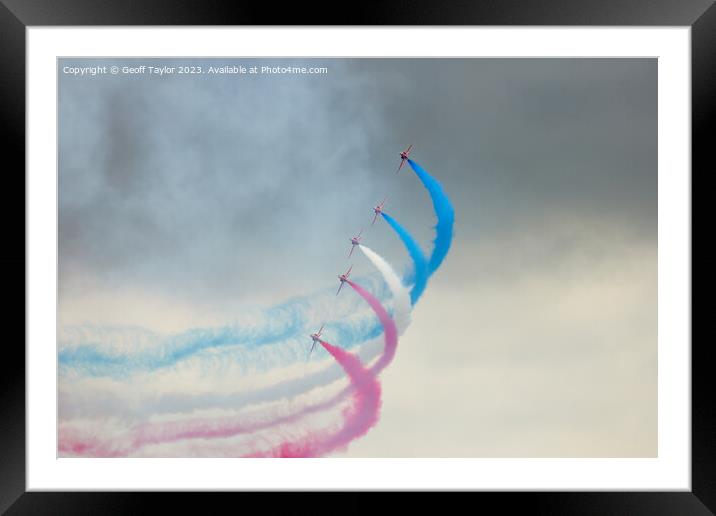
{"points": [[359, 417], [78, 443], [389, 328]]}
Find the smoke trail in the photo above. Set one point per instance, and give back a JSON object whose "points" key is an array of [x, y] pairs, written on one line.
{"points": [[109, 403], [77, 443], [122, 444], [401, 296], [444, 213], [113, 402], [360, 417], [419, 261], [195, 342], [149, 434], [101, 401], [391, 332], [117, 352]]}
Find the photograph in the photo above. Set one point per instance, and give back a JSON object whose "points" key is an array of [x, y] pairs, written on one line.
{"points": [[357, 257]]}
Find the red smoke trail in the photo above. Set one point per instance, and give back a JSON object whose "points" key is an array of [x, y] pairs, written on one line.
{"points": [[359, 417], [391, 332], [230, 427], [75, 443]]}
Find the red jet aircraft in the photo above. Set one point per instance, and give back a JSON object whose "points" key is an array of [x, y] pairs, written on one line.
{"points": [[377, 210], [354, 242], [316, 337], [404, 157], [344, 277]]}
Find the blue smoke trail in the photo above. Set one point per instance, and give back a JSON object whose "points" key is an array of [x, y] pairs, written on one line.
{"points": [[444, 213], [420, 276], [104, 352]]}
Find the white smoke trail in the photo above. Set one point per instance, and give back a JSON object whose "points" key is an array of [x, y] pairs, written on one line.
{"points": [[401, 295]]}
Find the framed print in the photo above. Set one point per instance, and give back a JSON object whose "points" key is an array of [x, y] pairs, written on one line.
{"points": [[446, 252]]}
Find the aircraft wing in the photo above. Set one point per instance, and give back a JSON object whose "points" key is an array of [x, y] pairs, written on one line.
{"points": [[339, 288]]}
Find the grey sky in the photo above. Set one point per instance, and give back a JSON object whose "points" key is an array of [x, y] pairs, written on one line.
{"points": [[213, 193]]}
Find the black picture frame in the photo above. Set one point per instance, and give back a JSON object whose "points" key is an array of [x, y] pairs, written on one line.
{"points": [[17, 15]]}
